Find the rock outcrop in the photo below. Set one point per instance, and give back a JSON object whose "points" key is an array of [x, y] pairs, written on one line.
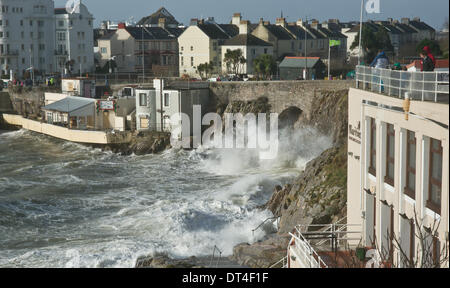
{"points": [[318, 194], [142, 143]]}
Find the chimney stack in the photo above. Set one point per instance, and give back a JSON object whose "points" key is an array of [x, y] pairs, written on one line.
{"points": [[261, 21], [121, 26], [243, 27], [301, 23], [236, 20], [405, 21], [194, 22], [281, 22], [162, 22]]}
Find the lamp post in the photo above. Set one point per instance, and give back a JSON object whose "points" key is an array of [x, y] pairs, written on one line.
{"points": [[360, 33]]}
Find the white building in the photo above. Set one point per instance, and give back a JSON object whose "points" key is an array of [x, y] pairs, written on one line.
{"points": [[26, 36], [74, 39], [154, 108], [35, 34], [251, 47]]}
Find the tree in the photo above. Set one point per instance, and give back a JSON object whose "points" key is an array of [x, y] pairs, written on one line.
{"points": [[434, 46], [205, 69], [264, 65], [234, 59], [372, 41]]}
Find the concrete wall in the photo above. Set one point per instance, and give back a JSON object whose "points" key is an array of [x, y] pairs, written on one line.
{"points": [[79, 136], [5, 103], [281, 94]]}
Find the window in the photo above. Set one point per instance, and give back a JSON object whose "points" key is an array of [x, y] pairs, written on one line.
{"points": [[192, 61], [435, 176], [373, 148], [390, 155], [143, 99], [265, 50], [192, 48], [182, 61], [104, 50], [182, 48], [166, 99], [144, 123], [60, 23], [410, 188]]}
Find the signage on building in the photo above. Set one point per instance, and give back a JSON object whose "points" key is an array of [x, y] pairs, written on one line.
{"points": [[106, 105], [355, 133]]}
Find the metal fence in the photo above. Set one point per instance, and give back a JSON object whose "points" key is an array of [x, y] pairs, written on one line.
{"points": [[422, 86]]}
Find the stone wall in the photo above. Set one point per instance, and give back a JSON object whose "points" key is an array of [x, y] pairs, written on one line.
{"points": [[280, 94]]}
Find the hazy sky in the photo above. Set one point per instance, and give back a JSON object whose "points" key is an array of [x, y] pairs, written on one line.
{"points": [[434, 12]]}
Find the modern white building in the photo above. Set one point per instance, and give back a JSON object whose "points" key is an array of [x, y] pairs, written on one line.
{"points": [[398, 165], [74, 39], [155, 106], [35, 34], [27, 36]]}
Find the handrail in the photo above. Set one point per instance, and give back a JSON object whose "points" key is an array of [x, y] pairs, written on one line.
{"points": [[213, 256], [309, 254], [282, 261], [422, 86], [264, 222]]}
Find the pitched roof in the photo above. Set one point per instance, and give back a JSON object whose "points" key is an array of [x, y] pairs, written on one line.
{"points": [[61, 11], [246, 40], [405, 28], [219, 31], [299, 62], [154, 33], [421, 25], [279, 32], [154, 18], [69, 104], [299, 32]]}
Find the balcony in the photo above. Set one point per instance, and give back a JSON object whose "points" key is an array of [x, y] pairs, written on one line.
{"points": [[419, 86], [61, 53], [9, 53]]}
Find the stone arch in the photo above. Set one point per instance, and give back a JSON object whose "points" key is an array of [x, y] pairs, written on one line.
{"points": [[289, 116]]}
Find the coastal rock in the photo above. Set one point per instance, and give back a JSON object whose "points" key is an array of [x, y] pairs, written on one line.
{"points": [[262, 254], [164, 261]]}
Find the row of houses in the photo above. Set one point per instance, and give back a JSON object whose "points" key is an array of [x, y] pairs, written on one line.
{"points": [[160, 45]]}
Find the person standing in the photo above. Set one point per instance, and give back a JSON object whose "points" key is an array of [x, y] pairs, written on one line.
{"points": [[381, 61], [427, 62]]}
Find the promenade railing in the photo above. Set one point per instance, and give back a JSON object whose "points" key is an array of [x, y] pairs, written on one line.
{"points": [[420, 86]]}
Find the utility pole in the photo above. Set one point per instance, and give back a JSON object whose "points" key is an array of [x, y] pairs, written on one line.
{"points": [[360, 33], [306, 47], [161, 102], [143, 55]]}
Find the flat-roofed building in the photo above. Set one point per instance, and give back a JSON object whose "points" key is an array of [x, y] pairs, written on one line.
{"points": [[398, 169]]}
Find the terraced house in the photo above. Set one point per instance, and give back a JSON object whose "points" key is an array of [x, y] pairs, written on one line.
{"points": [[201, 43], [149, 50]]}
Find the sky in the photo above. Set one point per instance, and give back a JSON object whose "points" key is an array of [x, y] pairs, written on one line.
{"points": [[433, 12]]}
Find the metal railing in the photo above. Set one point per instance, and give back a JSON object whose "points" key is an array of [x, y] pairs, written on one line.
{"points": [[272, 219], [307, 256], [216, 249], [282, 263], [422, 86], [337, 234]]}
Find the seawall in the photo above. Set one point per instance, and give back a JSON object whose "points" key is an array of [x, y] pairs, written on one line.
{"points": [[281, 95]]}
